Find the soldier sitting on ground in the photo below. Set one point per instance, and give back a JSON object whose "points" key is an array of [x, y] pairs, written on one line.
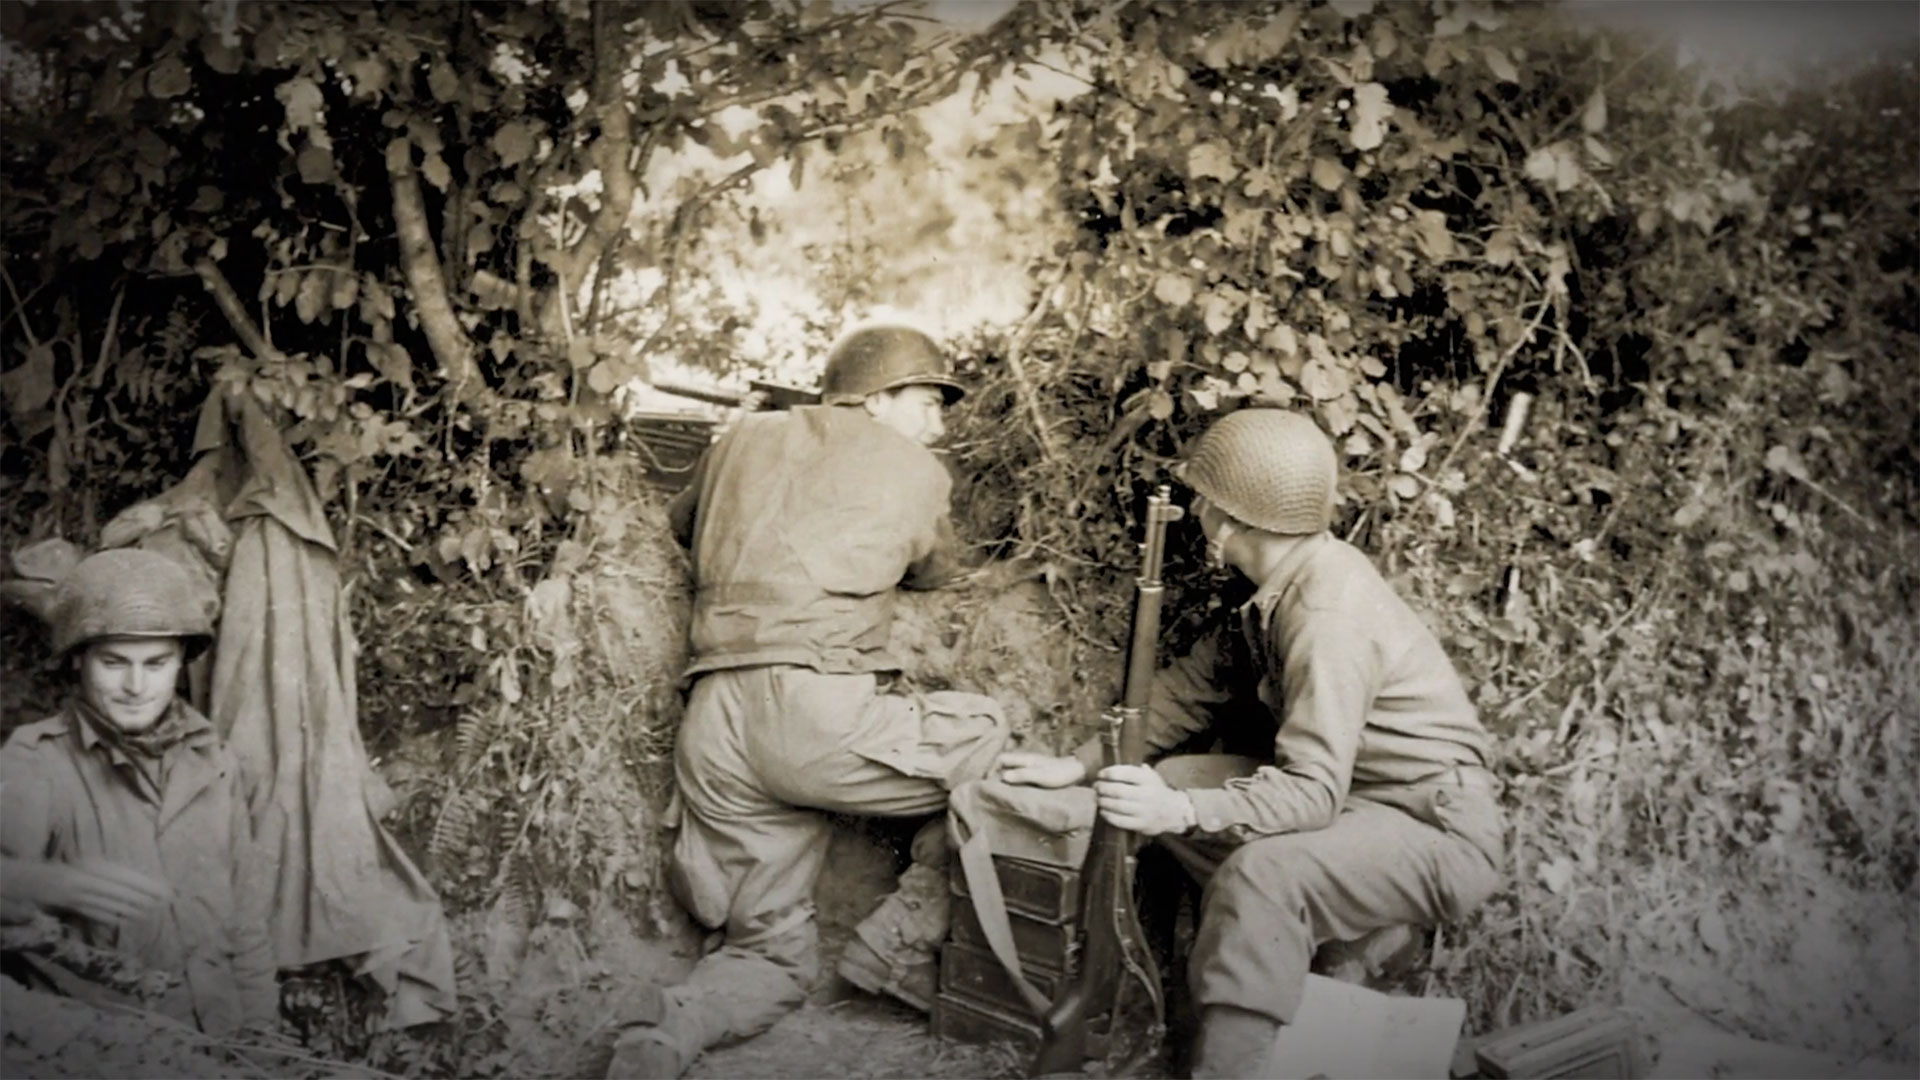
{"points": [[123, 815], [802, 525], [1366, 802]]}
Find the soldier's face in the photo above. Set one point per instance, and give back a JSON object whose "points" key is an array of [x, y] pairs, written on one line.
{"points": [[130, 681], [917, 412]]}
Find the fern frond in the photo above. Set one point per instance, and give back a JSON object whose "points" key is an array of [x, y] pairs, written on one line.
{"points": [[518, 893], [471, 740], [453, 828]]}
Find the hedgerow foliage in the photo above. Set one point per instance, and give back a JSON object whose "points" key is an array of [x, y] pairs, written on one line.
{"points": [[398, 227], [1681, 597], [1684, 599]]}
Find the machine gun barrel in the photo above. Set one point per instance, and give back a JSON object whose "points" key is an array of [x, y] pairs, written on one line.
{"points": [[776, 395]]}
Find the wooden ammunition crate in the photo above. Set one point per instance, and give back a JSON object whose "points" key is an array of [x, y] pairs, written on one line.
{"points": [[1047, 894], [1047, 948]]}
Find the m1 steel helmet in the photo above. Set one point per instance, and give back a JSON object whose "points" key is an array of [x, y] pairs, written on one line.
{"points": [[1270, 468], [130, 592], [873, 359]]}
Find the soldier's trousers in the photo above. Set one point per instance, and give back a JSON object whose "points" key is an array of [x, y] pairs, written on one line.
{"points": [[1415, 854], [761, 757]]}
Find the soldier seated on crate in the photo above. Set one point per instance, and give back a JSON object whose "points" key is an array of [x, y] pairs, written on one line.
{"points": [[1369, 804], [802, 524], [123, 814]]}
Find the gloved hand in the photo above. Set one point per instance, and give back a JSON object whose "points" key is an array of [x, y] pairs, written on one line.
{"points": [[1136, 798]]}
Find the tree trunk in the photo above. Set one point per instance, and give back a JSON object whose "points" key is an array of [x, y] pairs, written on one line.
{"points": [[611, 150], [420, 262]]}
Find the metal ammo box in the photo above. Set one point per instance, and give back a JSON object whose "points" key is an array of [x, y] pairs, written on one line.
{"points": [[977, 1001], [669, 445]]}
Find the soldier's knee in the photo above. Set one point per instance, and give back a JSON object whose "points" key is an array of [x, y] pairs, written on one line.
{"points": [[1271, 869]]}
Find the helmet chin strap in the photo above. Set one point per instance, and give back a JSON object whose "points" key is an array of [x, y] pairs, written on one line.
{"points": [[1217, 543]]}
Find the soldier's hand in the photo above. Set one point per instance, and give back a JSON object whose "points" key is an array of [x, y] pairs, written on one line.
{"points": [[1135, 798], [1039, 770], [750, 402], [104, 892]]}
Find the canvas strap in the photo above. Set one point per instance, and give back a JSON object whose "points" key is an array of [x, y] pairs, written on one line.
{"points": [[989, 904]]}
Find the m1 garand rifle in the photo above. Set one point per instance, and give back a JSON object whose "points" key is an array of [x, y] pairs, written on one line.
{"points": [[1095, 1014]]}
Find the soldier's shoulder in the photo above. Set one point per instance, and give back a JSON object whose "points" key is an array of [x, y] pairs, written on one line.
{"points": [[751, 426], [40, 731], [28, 746], [1337, 574], [1350, 560]]}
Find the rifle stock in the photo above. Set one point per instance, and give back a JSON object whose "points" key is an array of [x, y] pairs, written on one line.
{"points": [[1085, 1020]]}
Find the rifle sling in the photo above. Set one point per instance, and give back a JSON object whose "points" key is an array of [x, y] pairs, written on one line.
{"points": [[976, 862]]}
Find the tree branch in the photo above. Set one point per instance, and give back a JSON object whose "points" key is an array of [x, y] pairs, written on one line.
{"points": [[609, 153], [20, 305], [231, 306], [420, 263], [1016, 357]]}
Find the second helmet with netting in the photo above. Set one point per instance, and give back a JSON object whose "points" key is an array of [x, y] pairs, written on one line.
{"points": [[130, 592], [1270, 468], [876, 358]]}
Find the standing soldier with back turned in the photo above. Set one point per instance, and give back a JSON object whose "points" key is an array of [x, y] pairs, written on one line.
{"points": [[802, 524]]}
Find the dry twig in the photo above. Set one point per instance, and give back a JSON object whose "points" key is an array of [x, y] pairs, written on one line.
{"points": [[1016, 348]]}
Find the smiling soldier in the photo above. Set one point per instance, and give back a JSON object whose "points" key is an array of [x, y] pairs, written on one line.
{"points": [[123, 814]]}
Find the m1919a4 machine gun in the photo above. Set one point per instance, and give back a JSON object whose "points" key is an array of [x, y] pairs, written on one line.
{"points": [[1112, 1009], [669, 443]]}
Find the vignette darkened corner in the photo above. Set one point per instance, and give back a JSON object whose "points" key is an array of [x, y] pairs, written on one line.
{"points": [[959, 539]]}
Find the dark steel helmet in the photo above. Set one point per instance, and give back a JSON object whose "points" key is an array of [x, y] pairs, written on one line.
{"points": [[1270, 468], [876, 358], [130, 592]]}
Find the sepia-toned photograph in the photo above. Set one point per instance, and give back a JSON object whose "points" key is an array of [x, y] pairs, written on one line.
{"points": [[1275, 539]]}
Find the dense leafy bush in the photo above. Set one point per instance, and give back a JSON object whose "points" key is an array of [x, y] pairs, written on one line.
{"points": [[1684, 597], [1681, 595]]}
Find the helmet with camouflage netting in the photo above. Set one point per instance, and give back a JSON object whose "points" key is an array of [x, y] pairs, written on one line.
{"points": [[1270, 468], [130, 592]]}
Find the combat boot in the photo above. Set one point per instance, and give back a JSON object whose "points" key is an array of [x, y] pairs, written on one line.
{"points": [[663, 1038], [893, 950]]}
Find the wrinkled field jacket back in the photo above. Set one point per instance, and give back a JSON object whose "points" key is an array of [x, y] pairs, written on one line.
{"points": [[802, 524]]}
